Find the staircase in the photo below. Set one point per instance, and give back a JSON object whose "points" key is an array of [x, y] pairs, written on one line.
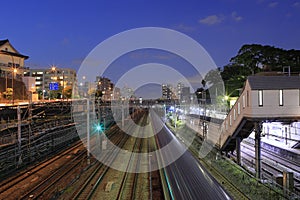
{"points": [[263, 99]]}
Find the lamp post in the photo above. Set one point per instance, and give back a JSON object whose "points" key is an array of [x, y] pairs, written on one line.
{"points": [[63, 84], [5, 80], [226, 98], [53, 69], [203, 82]]}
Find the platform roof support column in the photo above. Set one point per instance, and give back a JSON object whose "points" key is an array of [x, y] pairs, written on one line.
{"points": [[257, 150], [238, 150]]}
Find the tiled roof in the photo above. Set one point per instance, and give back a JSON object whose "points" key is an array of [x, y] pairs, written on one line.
{"points": [[14, 54], [274, 82], [2, 42]]}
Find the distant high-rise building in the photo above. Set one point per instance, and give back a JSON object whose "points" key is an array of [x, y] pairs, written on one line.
{"points": [[105, 88], [127, 93], [179, 90], [167, 91], [185, 95], [116, 93]]}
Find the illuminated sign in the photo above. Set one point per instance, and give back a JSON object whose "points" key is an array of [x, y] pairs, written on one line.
{"points": [[53, 86]]}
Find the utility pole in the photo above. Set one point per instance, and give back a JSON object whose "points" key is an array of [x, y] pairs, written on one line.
{"points": [[88, 129], [29, 124], [19, 135], [63, 85]]}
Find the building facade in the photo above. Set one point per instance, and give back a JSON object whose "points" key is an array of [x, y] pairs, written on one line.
{"points": [[180, 86], [104, 88], [11, 61], [12, 68], [167, 91], [185, 96], [45, 78]]}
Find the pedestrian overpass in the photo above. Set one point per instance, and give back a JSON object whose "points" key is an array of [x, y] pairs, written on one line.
{"points": [[264, 98]]}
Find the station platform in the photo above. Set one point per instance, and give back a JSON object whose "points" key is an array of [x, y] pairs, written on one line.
{"points": [[272, 140]]}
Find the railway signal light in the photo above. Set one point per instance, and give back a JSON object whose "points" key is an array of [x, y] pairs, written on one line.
{"points": [[99, 127]]}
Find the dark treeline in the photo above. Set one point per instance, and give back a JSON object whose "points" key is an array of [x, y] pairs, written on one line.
{"points": [[255, 58]]}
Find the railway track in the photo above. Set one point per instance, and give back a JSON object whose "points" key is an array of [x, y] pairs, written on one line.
{"points": [[270, 166], [129, 181], [42, 187], [156, 178], [233, 190], [295, 166], [89, 187], [9, 183], [39, 184], [227, 184]]}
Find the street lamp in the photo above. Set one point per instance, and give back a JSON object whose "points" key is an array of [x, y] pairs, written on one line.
{"points": [[63, 84], [53, 78], [53, 68], [43, 94], [204, 125], [226, 99]]}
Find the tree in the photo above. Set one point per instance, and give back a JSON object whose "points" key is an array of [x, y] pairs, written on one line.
{"points": [[249, 57], [67, 91], [254, 58], [234, 77], [8, 93], [91, 91]]}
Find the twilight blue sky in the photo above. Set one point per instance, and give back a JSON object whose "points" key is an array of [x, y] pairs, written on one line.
{"points": [[64, 32]]}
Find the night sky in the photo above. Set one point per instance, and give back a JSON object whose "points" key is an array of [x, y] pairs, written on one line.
{"points": [[64, 32]]}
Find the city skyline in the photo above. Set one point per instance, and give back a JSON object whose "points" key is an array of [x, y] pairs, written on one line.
{"points": [[64, 33]]}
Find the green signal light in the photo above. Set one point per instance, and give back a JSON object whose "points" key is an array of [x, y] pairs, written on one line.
{"points": [[99, 127]]}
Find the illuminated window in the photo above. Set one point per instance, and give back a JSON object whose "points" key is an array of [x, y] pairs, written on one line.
{"points": [[239, 108], [280, 97], [234, 114], [260, 98]]}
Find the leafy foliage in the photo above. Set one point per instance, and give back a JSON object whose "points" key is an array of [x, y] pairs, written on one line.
{"points": [[8, 93], [67, 91], [254, 58]]}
